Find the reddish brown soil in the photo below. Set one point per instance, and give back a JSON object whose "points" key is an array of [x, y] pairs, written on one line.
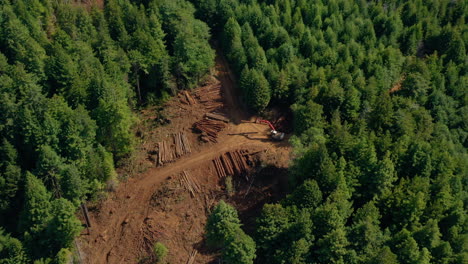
{"points": [[153, 205], [397, 86]]}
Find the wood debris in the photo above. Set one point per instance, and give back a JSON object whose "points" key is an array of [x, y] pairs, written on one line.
{"points": [[210, 128], [188, 98], [210, 97], [192, 256], [182, 145], [231, 163], [214, 105], [190, 184]]}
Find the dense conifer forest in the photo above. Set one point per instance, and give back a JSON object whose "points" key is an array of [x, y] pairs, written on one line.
{"points": [[379, 95], [378, 92], [70, 76]]}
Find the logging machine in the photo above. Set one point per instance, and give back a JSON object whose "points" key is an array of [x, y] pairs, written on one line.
{"points": [[274, 134]]}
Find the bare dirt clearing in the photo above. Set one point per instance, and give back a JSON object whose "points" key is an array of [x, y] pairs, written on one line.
{"points": [[156, 205]]}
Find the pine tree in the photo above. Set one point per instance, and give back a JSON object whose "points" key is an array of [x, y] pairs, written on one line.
{"points": [[240, 249], [114, 119], [11, 250], [365, 234], [35, 216], [406, 248], [37, 208], [223, 230], [256, 89], [384, 256], [63, 227], [308, 195], [193, 55], [72, 185], [222, 224], [10, 174]]}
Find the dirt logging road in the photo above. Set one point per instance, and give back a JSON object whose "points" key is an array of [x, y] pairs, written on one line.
{"points": [[153, 206]]}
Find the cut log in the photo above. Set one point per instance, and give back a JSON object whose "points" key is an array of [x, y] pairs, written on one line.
{"points": [[192, 256], [189, 98], [216, 116]]}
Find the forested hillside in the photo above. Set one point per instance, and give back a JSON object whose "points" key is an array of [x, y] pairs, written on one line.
{"points": [[379, 95], [70, 76], [378, 91]]}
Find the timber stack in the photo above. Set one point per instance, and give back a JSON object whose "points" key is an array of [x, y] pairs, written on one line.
{"points": [[165, 153], [182, 145], [210, 129], [231, 163]]}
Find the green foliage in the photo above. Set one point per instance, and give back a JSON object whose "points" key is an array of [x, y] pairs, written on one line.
{"points": [[378, 95], [36, 209], [114, 120], [223, 229], [35, 216], [10, 174], [384, 256], [307, 115], [229, 185], [377, 90], [285, 228], [70, 78], [194, 57], [160, 251], [366, 236], [308, 195], [72, 185], [63, 226], [63, 256], [255, 88], [222, 224], [240, 249], [11, 250]]}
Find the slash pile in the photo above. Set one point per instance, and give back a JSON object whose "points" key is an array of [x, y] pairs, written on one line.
{"points": [[210, 97], [231, 163], [182, 145], [210, 129], [191, 185], [192, 256], [188, 98]]}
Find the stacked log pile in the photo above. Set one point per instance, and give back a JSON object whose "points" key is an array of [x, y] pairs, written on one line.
{"points": [[189, 183], [231, 163], [219, 168], [182, 145], [210, 129], [165, 153]]}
